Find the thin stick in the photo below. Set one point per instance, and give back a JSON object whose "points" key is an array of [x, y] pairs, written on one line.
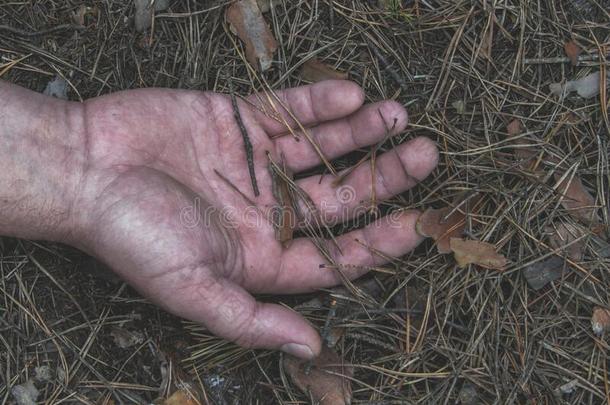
{"points": [[234, 188], [560, 59], [17, 31], [247, 142]]}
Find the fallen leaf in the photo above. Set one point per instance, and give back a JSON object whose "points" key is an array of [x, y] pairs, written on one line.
{"points": [[514, 127], [327, 381], [573, 51], [600, 320], [181, 397], [476, 252], [543, 272], [315, 71], [248, 23], [334, 335], [576, 199], [433, 224], [522, 152], [124, 338], [564, 234], [586, 87]]}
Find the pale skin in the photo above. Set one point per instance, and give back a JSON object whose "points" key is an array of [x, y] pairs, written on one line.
{"points": [[129, 178]]}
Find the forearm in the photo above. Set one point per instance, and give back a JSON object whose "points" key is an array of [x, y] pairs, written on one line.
{"points": [[42, 143]]}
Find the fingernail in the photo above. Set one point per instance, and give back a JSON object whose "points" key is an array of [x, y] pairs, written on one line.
{"points": [[297, 350]]}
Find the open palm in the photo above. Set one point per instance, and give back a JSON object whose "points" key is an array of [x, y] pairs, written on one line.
{"points": [[159, 212]]}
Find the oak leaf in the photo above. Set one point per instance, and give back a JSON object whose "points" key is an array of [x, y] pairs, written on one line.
{"points": [[248, 23], [564, 236], [573, 51], [437, 224], [476, 252], [327, 381], [577, 199], [181, 397], [315, 71]]}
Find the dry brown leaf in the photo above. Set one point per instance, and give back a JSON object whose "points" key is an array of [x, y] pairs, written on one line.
{"points": [[572, 51], [315, 71], [600, 320], [327, 381], [514, 127], [523, 153], [181, 397], [433, 224], [476, 252], [576, 199], [248, 23], [564, 234]]}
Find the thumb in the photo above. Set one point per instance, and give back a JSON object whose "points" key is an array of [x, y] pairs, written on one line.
{"points": [[229, 311]]}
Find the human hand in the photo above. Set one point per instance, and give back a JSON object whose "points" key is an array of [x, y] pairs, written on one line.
{"points": [[150, 205]]}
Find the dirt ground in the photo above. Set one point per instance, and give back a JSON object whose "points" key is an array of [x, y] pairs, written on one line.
{"points": [[419, 330]]}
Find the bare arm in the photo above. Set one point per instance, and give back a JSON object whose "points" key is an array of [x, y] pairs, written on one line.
{"points": [[41, 162]]}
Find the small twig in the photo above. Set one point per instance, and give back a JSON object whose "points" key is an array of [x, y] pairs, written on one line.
{"points": [[29, 34], [560, 59], [387, 67], [234, 188], [247, 142]]}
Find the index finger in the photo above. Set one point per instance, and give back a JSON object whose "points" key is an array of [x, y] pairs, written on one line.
{"points": [[310, 105]]}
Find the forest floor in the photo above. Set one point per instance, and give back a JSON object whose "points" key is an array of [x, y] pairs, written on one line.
{"points": [[475, 77]]}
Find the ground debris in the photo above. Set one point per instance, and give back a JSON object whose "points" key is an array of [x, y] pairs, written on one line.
{"points": [[600, 320], [58, 88], [181, 397], [543, 272], [25, 394], [43, 373], [441, 225], [569, 238], [316, 71], [586, 87], [576, 198], [572, 51], [468, 394], [125, 338], [248, 23], [145, 10], [327, 381], [476, 252]]}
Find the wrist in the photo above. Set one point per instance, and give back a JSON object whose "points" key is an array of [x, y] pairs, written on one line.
{"points": [[42, 160]]}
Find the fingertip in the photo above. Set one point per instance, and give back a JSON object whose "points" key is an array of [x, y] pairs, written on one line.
{"points": [[395, 116], [404, 237], [291, 333], [332, 99], [420, 156]]}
